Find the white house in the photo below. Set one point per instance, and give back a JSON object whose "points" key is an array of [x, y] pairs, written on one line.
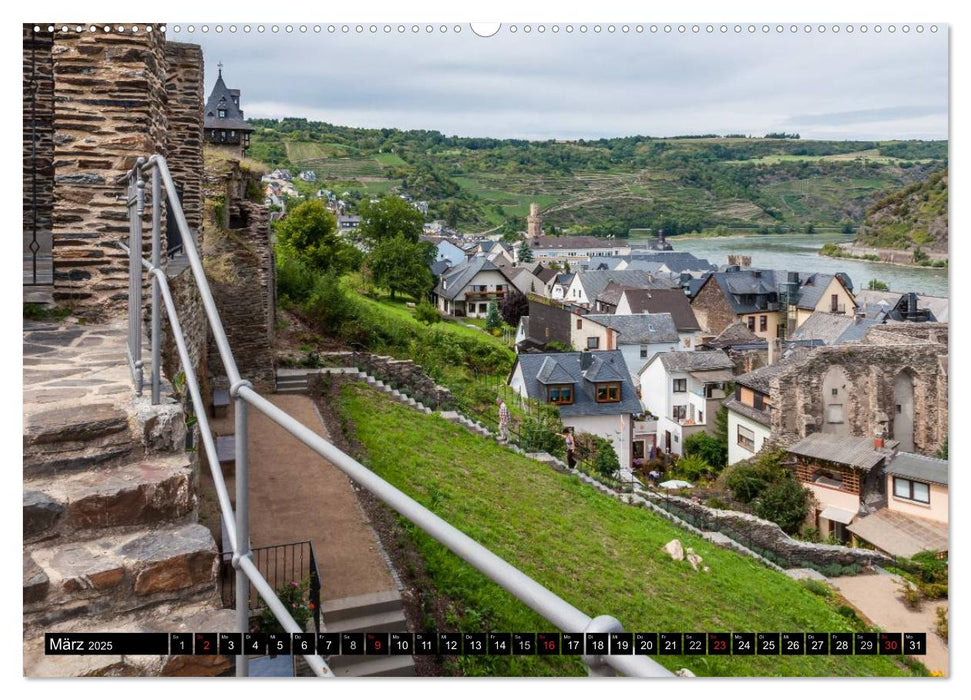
{"points": [[559, 285], [467, 289], [446, 250], [639, 337], [592, 391], [661, 301], [573, 248], [750, 413], [684, 390]]}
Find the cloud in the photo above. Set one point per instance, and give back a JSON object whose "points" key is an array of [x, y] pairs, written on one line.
{"points": [[592, 86]]}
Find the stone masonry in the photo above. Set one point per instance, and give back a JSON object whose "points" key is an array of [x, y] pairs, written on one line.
{"points": [[870, 368], [109, 108], [184, 86]]}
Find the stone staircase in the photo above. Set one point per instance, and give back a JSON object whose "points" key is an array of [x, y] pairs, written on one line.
{"points": [[295, 381], [373, 612], [111, 541]]}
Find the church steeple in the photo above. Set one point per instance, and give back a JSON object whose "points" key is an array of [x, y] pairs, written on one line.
{"points": [[224, 123]]}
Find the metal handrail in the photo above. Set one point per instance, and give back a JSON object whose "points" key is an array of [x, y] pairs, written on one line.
{"points": [[534, 595]]}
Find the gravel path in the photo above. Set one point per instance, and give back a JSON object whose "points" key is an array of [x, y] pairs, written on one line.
{"points": [[876, 597]]}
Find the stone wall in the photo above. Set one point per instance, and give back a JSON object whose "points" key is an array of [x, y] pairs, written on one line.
{"points": [[109, 108], [184, 87], [405, 375], [38, 141], [712, 309], [767, 538], [238, 257], [870, 368]]}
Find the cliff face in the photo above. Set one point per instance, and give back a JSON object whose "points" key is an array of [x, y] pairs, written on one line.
{"points": [[915, 217]]}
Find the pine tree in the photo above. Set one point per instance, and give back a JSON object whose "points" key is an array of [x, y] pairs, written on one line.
{"points": [[525, 253], [493, 318]]}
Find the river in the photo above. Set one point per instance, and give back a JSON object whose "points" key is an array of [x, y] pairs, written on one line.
{"points": [[800, 252]]}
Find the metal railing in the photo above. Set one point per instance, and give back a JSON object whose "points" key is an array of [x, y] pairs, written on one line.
{"points": [[281, 565], [540, 599]]}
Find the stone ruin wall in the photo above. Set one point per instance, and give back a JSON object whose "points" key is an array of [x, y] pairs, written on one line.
{"points": [[186, 97], [241, 269], [871, 369], [109, 108]]}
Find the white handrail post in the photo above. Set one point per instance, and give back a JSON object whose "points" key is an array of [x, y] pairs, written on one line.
{"points": [[240, 409], [157, 263], [136, 278]]}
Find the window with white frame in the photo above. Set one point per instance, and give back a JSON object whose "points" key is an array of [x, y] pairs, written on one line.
{"points": [[911, 490]]}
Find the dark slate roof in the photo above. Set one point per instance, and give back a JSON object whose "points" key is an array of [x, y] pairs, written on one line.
{"points": [[221, 97], [439, 266], [823, 326], [611, 293], [694, 361], [752, 290], [752, 412], [736, 333], [564, 278], [545, 274], [855, 332], [602, 371], [857, 452], [552, 372], [674, 260], [760, 379], [919, 468], [639, 328], [455, 279], [811, 289], [665, 301], [595, 281], [584, 396]]}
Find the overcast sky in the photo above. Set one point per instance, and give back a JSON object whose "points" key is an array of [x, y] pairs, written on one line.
{"points": [[568, 86]]}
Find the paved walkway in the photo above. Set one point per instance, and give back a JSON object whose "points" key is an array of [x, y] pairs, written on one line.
{"points": [[295, 495], [876, 597]]}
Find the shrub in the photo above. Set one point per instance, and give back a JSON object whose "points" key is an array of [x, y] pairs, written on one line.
{"points": [[598, 452], [691, 467], [911, 595], [818, 588], [747, 482], [941, 625], [711, 450], [785, 502], [427, 313], [293, 597], [328, 305]]}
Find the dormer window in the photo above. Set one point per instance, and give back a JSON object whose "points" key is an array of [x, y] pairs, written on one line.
{"points": [[560, 393], [608, 392], [222, 113]]}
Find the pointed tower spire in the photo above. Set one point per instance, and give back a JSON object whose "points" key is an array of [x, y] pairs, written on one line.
{"points": [[220, 66]]}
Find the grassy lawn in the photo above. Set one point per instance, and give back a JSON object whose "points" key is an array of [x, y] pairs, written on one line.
{"points": [[600, 555]]}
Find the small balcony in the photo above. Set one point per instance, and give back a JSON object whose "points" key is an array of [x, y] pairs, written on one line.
{"points": [[479, 295]]}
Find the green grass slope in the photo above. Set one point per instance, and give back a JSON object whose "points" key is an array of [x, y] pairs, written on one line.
{"points": [[602, 556]]}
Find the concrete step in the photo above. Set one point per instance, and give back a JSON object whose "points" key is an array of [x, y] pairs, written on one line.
{"points": [[356, 606], [389, 621], [157, 489], [372, 666], [74, 438], [200, 616], [121, 572], [292, 389]]}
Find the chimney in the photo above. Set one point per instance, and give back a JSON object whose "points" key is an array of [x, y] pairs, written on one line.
{"points": [[878, 443], [774, 350]]}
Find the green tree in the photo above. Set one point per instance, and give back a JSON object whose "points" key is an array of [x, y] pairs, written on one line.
{"points": [[709, 449], [308, 234], [493, 318], [401, 265], [525, 253], [877, 285], [720, 432], [514, 306], [786, 503], [388, 218]]}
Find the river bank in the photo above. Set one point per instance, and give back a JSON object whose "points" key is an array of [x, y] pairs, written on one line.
{"points": [[887, 256]]}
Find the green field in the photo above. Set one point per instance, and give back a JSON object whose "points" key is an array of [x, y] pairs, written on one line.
{"points": [[602, 556]]}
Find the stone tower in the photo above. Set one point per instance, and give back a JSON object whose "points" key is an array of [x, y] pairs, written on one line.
{"points": [[534, 222]]}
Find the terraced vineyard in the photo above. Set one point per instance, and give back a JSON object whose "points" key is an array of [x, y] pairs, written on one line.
{"points": [[611, 185]]}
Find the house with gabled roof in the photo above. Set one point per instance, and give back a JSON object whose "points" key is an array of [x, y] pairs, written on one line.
{"points": [[684, 390], [638, 337], [467, 289], [587, 285], [772, 303], [663, 301], [223, 122], [592, 391]]}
